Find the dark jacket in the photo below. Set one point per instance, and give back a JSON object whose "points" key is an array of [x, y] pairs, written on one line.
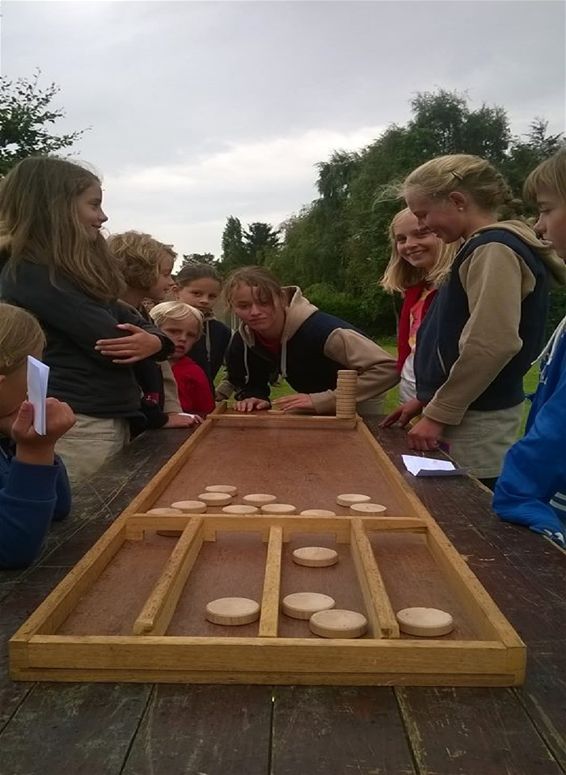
{"points": [[211, 348], [73, 322], [30, 498]]}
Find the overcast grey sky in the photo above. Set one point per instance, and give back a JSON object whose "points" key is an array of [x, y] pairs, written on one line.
{"points": [[200, 110]]}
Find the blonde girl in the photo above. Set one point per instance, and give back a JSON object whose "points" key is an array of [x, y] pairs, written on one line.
{"points": [[487, 323], [531, 490], [34, 488], [418, 264], [59, 267]]}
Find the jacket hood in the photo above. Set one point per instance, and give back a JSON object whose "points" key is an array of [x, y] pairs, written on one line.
{"points": [[555, 265]]}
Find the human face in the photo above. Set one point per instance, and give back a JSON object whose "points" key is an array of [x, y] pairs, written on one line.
{"points": [[202, 294], [443, 217], [415, 244], [90, 212], [551, 224], [184, 334], [164, 282], [261, 314]]}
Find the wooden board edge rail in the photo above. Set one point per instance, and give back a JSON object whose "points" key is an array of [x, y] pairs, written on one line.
{"points": [[269, 619]]}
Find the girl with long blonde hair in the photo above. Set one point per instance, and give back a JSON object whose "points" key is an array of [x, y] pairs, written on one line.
{"points": [[58, 266]]}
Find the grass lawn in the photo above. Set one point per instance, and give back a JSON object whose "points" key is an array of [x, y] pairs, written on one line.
{"points": [[392, 397]]}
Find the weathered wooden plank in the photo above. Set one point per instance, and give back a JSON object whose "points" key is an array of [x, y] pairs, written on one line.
{"points": [[218, 730], [329, 731], [75, 728], [473, 730]]}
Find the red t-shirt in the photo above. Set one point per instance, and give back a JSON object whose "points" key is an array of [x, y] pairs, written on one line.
{"points": [[193, 387], [272, 346]]}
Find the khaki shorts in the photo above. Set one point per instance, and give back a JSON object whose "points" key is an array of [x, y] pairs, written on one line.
{"points": [[481, 440], [90, 443], [371, 407]]}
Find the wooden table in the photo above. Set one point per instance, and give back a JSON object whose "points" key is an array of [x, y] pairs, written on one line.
{"points": [[134, 729]]}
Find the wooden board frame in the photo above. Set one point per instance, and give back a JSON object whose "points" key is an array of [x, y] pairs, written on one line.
{"points": [[497, 658]]}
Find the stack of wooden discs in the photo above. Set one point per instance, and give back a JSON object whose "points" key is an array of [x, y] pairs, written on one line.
{"points": [[346, 392]]}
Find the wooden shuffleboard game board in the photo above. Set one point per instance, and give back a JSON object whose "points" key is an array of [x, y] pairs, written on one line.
{"points": [[133, 609]]}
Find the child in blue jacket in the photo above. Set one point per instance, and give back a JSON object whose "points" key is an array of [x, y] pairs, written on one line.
{"points": [[531, 490], [34, 488]]}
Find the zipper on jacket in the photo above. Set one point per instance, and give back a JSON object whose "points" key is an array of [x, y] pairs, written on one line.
{"points": [[441, 360]]}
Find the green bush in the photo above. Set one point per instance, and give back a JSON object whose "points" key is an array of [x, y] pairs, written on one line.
{"points": [[374, 314], [556, 311]]}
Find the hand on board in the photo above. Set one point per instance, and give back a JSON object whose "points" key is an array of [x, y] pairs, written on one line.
{"points": [[425, 435], [139, 344], [251, 404], [294, 402], [182, 420], [403, 414]]}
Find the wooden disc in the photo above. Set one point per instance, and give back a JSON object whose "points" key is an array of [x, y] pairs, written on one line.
{"points": [[259, 498], [190, 507], [317, 513], [215, 498], [315, 556], [279, 508], [164, 511], [425, 622], [240, 508], [302, 605], [372, 509], [229, 489], [338, 623], [351, 497], [232, 611]]}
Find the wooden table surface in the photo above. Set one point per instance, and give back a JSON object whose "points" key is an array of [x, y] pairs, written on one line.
{"points": [[285, 730]]}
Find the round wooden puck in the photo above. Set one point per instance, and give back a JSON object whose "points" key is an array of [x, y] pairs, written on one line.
{"points": [[190, 507], [215, 498], [232, 611], [229, 489], [372, 509], [240, 508], [279, 508], [259, 498], [426, 622], [338, 623], [351, 497], [302, 605], [315, 556], [164, 511], [317, 513]]}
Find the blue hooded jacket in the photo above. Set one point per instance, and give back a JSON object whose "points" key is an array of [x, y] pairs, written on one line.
{"points": [[31, 496], [530, 490]]}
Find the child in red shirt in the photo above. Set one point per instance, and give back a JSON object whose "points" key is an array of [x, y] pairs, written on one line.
{"points": [[183, 324]]}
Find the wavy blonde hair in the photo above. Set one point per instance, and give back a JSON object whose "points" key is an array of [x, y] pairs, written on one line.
{"points": [[39, 221], [473, 175], [268, 286], [400, 274], [175, 310], [20, 336], [550, 175], [139, 257]]}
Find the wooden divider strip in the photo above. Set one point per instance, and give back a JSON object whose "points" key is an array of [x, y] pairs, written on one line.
{"points": [[272, 585], [378, 606], [159, 608]]}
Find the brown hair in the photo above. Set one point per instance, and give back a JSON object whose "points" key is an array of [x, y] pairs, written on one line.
{"points": [[550, 175], [139, 257], [20, 336], [191, 272], [175, 310], [443, 175], [39, 221], [268, 286], [400, 274]]}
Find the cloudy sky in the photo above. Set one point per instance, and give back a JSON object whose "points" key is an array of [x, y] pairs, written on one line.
{"points": [[200, 110]]}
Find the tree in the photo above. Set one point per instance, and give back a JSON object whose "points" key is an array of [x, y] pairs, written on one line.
{"points": [[25, 110], [198, 258], [261, 242], [233, 250]]}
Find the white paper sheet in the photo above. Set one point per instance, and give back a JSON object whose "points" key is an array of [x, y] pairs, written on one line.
{"points": [[38, 375], [426, 466]]}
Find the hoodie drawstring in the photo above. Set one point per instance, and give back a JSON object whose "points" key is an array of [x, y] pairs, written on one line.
{"points": [[283, 360], [552, 344]]}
